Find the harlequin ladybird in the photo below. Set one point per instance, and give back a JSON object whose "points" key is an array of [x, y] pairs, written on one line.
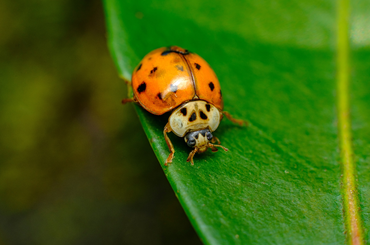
{"points": [[174, 79]]}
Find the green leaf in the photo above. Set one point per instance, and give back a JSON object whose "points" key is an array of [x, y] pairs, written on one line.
{"points": [[285, 67]]}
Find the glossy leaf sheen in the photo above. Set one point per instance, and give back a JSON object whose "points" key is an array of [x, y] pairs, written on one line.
{"points": [[276, 62]]}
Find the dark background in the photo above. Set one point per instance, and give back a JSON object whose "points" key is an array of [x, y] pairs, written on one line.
{"points": [[75, 165]]}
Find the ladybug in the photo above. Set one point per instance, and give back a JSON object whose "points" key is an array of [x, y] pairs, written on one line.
{"points": [[174, 79]]}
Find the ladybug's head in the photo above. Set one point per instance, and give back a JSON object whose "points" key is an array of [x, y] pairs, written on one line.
{"points": [[201, 140]]}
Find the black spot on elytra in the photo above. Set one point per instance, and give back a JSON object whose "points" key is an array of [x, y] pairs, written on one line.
{"points": [[159, 95], [141, 87], [192, 117], [152, 71], [173, 88], [184, 111], [202, 115], [180, 68], [197, 66], [149, 58], [211, 86], [208, 107], [139, 67], [196, 136]]}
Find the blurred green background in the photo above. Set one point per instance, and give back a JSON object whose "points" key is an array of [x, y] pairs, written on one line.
{"points": [[75, 165]]}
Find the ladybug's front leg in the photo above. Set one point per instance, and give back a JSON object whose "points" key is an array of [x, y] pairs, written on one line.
{"points": [[191, 155], [167, 129]]}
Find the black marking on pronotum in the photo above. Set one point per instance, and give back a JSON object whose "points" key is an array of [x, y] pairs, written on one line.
{"points": [[180, 68], [139, 67], [173, 88], [192, 117], [211, 86], [159, 95], [184, 111], [202, 115], [152, 71], [203, 132], [141, 87], [208, 107], [197, 66], [196, 136]]}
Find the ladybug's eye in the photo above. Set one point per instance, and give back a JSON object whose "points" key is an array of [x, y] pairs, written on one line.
{"points": [[191, 142], [209, 135]]}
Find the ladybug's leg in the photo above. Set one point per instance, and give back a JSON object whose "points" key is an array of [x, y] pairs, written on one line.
{"points": [[191, 155], [128, 100], [125, 80], [237, 121], [215, 139], [167, 129]]}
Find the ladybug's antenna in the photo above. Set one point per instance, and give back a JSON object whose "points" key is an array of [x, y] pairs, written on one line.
{"points": [[214, 149]]}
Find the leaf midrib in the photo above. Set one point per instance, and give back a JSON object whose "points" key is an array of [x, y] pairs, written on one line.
{"points": [[352, 217]]}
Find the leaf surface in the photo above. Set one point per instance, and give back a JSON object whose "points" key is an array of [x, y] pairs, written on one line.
{"points": [[277, 63]]}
